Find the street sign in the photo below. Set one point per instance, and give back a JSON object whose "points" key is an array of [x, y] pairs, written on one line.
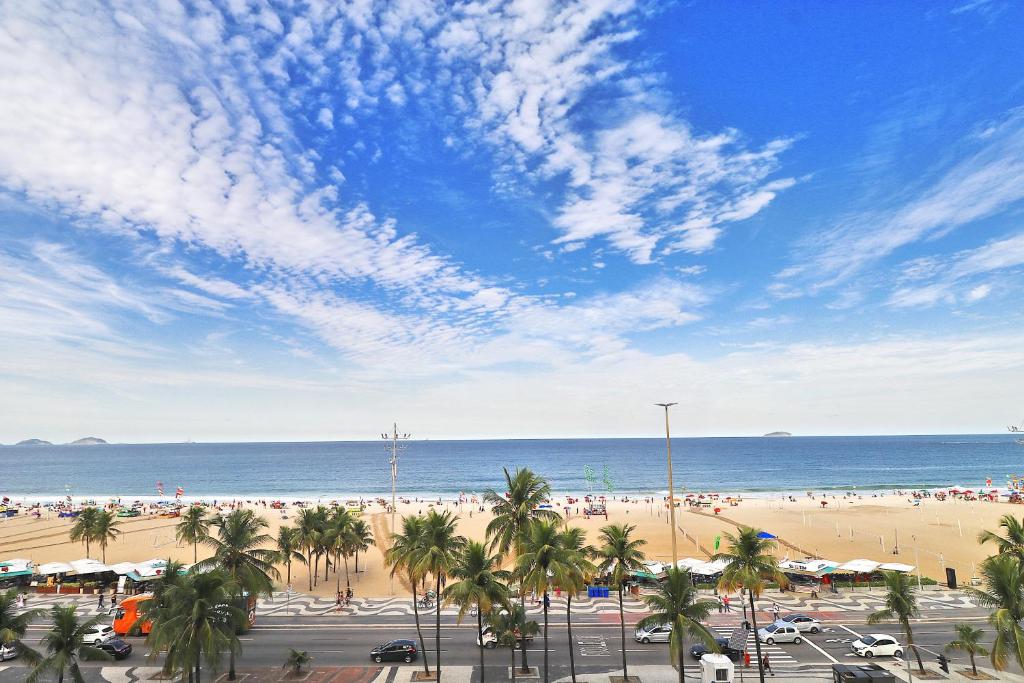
{"points": [[738, 638]]}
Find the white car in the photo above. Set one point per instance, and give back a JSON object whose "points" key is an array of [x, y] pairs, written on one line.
{"points": [[877, 644], [779, 632], [653, 634], [803, 622], [8, 651], [99, 634], [489, 639]]}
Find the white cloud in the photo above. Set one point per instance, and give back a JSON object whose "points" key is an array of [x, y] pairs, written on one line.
{"points": [[326, 118]]}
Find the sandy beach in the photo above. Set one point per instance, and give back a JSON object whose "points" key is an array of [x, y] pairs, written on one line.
{"points": [[935, 534]]}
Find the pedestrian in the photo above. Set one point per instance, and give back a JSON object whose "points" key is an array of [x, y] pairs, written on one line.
{"points": [[348, 595], [113, 599], [101, 599], [775, 610], [721, 605], [337, 602], [725, 601], [746, 659], [766, 665]]}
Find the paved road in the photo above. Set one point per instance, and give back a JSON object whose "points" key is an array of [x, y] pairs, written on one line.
{"points": [[342, 640]]}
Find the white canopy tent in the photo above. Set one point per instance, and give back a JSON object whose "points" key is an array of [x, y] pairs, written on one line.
{"points": [[710, 568], [89, 566], [123, 568], [859, 566], [54, 568], [897, 567]]}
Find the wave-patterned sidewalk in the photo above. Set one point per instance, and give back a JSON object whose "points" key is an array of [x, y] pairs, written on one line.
{"points": [[302, 604]]}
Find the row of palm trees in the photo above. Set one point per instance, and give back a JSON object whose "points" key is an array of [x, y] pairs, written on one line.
{"points": [[95, 525], [542, 553]]}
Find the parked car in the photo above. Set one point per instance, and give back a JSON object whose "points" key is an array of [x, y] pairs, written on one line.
{"points": [[803, 622], [8, 651], [700, 649], [488, 639], [116, 647], [877, 644], [779, 632], [653, 634], [394, 651], [99, 634]]}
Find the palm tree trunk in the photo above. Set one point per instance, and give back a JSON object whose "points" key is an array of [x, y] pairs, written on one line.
{"points": [[545, 601], [309, 562], [522, 603], [568, 623], [682, 656], [757, 643], [416, 611], [357, 560], [289, 565], [480, 638], [512, 651], [974, 667], [622, 628], [198, 674], [195, 552], [437, 629], [910, 644], [348, 584], [231, 665]]}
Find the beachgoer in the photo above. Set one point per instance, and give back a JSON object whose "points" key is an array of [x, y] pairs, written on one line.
{"points": [[721, 607], [725, 601], [775, 610], [766, 665]]}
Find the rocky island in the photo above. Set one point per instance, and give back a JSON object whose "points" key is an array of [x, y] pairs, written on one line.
{"points": [[33, 442], [778, 434], [88, 441]]}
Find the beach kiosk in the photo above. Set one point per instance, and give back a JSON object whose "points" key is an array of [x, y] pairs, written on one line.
{"points": [[716, 669], [861, 673]]}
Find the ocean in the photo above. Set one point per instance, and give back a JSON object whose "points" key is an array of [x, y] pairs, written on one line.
{"points": [[430, 468]]}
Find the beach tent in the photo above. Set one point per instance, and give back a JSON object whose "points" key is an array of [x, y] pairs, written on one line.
{"points": [[123, 568], [89, 566], [54, 568], [858, 567], [710, 568], [689, 563], [816, 568], [896, 567], [654, 567], [148, 570], [765, 534], [16, 567]]}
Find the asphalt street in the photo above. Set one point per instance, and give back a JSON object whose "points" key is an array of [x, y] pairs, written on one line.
{"points": [[347, 640]]}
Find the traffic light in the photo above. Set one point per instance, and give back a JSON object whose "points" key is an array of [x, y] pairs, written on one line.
{"points": [[944, 664]]}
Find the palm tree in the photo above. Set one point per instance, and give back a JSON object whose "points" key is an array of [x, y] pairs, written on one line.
{"points": [[901, 605], [296, 660], [511, 628], [311, 530], [13, 625], [403, 555], [512, 514], [82, 529], [362, 538], [750, 564], [1003, 581], [572, 575], [288, 543], [542, 555], [65, 646], [438, 552], [197, 623], [193, 528], [620, 555], [479, 584], [238, 551], [969, 640], [1012, 541], [676, 603], [105, 530]]}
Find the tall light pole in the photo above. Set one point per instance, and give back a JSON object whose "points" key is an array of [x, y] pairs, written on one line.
{"points": [[392, 440], [671, 488]]}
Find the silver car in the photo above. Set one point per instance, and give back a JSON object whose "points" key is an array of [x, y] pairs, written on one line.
{"points": [[805, 623], [8, 651], [653, 634], [779, 632]]}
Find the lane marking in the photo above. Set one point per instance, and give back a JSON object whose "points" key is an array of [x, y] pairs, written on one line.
{"points": [[815, 646]]}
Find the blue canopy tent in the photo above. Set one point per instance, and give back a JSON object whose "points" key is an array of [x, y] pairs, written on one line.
{"points": [[765, 534]]}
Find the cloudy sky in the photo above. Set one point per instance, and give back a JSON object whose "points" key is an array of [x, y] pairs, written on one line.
{"points": [[254, 220]]}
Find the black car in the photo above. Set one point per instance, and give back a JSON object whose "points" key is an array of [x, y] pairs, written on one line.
{"points": [[394, 651], [116, 647], [699, 650]]}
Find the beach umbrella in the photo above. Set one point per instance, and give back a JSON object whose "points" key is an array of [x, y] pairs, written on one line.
{"points": [[765, 534]]}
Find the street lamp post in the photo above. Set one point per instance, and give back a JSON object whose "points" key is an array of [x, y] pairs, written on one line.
{"points": [[393, 439], [671, 486]]}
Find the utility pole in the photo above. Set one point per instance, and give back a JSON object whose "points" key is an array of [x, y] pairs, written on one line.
{"points": [[391, 440], [671, 487]]}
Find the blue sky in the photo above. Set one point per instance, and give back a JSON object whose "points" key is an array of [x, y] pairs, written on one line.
{"points": [[253, 220]]}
